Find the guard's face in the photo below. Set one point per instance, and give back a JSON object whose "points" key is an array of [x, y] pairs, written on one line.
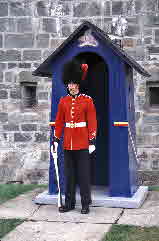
{"points": [[73, 88]]}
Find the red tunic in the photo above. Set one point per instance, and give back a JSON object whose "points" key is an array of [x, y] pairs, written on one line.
{"points": [[76, 110]]}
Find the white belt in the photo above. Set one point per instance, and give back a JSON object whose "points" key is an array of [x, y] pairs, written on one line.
{"points": [[74, 125]]}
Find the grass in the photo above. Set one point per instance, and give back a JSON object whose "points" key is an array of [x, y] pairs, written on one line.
{"points": [[7, 225], [132, 233], [154, 188], [9, 191]]}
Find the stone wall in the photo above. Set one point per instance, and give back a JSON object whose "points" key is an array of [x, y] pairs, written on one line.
{"points": [[29, 31]]}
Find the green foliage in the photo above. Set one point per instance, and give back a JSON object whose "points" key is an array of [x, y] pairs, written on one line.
{"points": [[132, 233], [7, 225], [154, 188], [9, 191]]}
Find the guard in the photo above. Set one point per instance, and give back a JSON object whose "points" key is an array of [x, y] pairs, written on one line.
{"points": [[77, 116]]}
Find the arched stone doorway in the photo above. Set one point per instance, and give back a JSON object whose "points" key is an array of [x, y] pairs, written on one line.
{"points": [[96, 86]]}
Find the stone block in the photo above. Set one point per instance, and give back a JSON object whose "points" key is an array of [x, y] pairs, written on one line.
{"points": [[22, 137], [75, 21], [9, 76], [26, 76], [3, 66], [60, 9], [148, 40], [42, 40], [117, 7], [147, 129], [140, 140], [43, 95], [42, 8], [155, 155], [12, 65], [151, 119], [137, 116], [1, 41], [31, 55], [22, 8], [67, 21], [55, 43], [140, 54], [29, 127], [11, 127], [1, 76], [140, 101], [44, 156], [107, 27], [3, 9], [139, 42], [132, 20], [129, 42], [24, 65], [15, 94], [3, 117], [147, 32], [138, 6], [36, 65], [10, 55], [151, 20], [4, 86], [153, 50], [44, 128], [19, 41], [87, 9], [41, 137], [66, 30], [98, 22], [157, 36], [150, 5], [155, 164], [156, 140], [3, 94], [7, 25], [155, 128], [132, 30], [47, 53], [107, 9], [24, 25], [49, 25]]}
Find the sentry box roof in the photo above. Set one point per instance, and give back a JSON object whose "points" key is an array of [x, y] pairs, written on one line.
{"points": [[45, 69]]}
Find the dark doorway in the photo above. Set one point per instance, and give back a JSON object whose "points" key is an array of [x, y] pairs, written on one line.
{"points": [[96, 86]]}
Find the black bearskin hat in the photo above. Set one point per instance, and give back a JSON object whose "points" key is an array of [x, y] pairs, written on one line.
{"points": [[72, 72]]}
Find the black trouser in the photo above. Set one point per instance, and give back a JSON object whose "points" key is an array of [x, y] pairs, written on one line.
{"points": [[77, 169]]}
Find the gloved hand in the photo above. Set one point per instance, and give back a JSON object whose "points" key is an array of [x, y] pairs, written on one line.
{"points": [[54, 149], [91, 148]]}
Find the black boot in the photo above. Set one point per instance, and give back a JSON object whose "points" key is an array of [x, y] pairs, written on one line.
{"points": [[85, 209], [66, 208]]}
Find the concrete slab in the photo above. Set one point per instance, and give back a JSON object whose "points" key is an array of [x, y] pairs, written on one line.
{"points": [[147, 215], [101, 198], [21, 206], [48, 231], [96, 215]]}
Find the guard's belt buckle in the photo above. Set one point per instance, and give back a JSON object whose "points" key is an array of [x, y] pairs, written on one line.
{"points": [[72, 125]]}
